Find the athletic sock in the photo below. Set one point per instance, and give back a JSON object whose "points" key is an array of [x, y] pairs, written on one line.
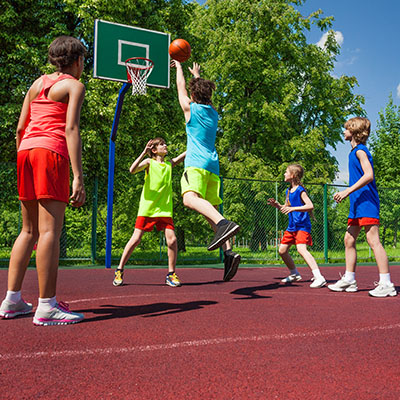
{"points": [[14, 297], [350, 276], [317, 273], [385, 279], [294, 271], [47, 304]]}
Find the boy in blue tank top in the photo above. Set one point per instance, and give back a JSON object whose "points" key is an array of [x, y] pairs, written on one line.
{"points": [[200, 181], [364, 211]]}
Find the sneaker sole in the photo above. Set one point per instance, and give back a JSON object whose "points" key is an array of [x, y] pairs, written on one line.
{"points": [[173, 285], [55, 322], [232, 272], [289, 282], [118, 284], [386, 295], [8, 315], [319, 286], [348, 290], [224, 238]]}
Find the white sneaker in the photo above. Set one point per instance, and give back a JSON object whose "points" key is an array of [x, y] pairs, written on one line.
{"points": [[343, 285], [291, 278], [59, 315], [318, 282], [383, 290], [8, 309]]}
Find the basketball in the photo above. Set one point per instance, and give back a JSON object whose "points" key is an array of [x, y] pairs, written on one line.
{"points": [[179, 50]]}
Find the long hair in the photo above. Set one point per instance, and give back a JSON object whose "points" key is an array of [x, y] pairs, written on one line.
{"points": [[201, 90]]}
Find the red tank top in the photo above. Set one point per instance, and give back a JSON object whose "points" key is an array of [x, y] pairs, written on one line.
{"points": [[46, 128]]}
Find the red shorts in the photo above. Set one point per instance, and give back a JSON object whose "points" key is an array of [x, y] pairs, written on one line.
{"points": [[298, 237], [147, 223], [42, 174], [363, 221]]}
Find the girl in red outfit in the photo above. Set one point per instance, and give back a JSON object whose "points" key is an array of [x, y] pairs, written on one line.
{"points": [[47, 135]]}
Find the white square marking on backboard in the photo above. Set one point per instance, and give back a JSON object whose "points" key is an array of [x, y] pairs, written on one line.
{"points": [[122, 42]]}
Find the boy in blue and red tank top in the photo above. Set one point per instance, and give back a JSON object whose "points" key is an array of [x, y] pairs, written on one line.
{"points": [[364, 211]]}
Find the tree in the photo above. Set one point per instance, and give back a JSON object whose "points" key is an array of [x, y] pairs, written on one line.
{"points": [[275, 92], [385, 147]]}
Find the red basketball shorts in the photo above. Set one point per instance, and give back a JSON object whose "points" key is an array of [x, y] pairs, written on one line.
{"points": [[363, 221], [42, 174], [298, 237], [147, 223]]}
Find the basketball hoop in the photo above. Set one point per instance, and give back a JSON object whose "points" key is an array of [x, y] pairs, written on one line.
{"points": [[138, 69]]}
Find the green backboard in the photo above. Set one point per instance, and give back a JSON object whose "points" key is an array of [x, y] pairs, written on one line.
{"points": [[114, 43]]}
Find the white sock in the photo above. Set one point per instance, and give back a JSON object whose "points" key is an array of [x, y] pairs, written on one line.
{"points": [[317, 273], [294, 271], [350, 276], [47, 304], [14, 297], [385, 278]]}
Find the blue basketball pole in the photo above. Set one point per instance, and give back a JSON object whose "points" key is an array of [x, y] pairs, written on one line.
{"points": [[111, 165]]}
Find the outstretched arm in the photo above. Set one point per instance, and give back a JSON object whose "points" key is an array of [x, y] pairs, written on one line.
{"points": [[177, 160], [139, 165], [183, 96], [364, 180]]}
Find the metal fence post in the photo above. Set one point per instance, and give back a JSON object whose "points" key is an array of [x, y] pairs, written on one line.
{"points": [[276, 223], [221, 211], [94, 220], [326, 223]]}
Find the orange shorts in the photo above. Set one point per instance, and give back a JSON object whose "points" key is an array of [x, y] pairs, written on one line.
{"points": [[42, 174], [298, 237], [363, 221], [147, 223]]}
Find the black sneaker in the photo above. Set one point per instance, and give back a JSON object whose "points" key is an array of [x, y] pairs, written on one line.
{"points": [[231, 264], [224, 232]]}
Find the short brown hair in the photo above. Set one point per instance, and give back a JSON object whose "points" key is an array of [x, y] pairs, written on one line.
{"points": [[154, 143], [201, 90], [360, 128], [65, 50]]}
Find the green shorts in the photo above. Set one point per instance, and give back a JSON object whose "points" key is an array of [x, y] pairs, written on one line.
{"points": [[203, 182]]}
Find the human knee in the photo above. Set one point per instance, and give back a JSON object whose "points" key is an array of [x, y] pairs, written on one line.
{"points": [[283, 250], [349, 241]]}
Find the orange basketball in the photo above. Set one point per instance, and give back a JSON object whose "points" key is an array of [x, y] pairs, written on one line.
{"points": [[179, 50]]}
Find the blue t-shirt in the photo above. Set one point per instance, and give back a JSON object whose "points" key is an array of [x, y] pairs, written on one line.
{"points": [[298, 220], [364, 202], [201, 132]]}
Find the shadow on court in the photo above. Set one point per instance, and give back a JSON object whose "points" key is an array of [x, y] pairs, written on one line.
{"points": [[251, 292], [110, 311]]}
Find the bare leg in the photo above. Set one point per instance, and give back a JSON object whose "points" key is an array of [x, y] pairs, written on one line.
{"points": [[350, 239], [372, 234], [130, 246], [308, 258], [51, 217], [23, 246], [172, 249], [193, 201], [284, 253]]}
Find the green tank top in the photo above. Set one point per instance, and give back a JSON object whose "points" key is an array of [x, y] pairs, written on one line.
{"points": [[156, 197]]}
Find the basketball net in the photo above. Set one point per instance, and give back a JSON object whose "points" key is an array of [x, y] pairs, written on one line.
{"points": [[138, 69]]}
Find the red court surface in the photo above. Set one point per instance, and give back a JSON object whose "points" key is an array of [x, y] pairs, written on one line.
{"points": [[250, 338]]}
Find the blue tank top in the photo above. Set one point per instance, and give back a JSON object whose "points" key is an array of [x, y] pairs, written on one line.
{"points": [[364, 202], [298, 220], [201, 132]]}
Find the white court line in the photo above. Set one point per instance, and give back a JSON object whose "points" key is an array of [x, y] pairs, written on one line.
{"points": [[192, 343]]}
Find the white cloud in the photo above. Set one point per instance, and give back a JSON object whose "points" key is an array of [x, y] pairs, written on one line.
{"points": [[338, 37], [398, 90]]}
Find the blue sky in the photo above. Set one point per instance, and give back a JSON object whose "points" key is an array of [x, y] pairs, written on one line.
{"points": [[368, 31]]}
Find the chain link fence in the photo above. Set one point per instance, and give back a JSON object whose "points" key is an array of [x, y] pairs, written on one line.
{"points": [[245, 201]]}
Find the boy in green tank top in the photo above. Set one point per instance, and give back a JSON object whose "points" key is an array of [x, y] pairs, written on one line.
{"points": [[155, 207]]}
